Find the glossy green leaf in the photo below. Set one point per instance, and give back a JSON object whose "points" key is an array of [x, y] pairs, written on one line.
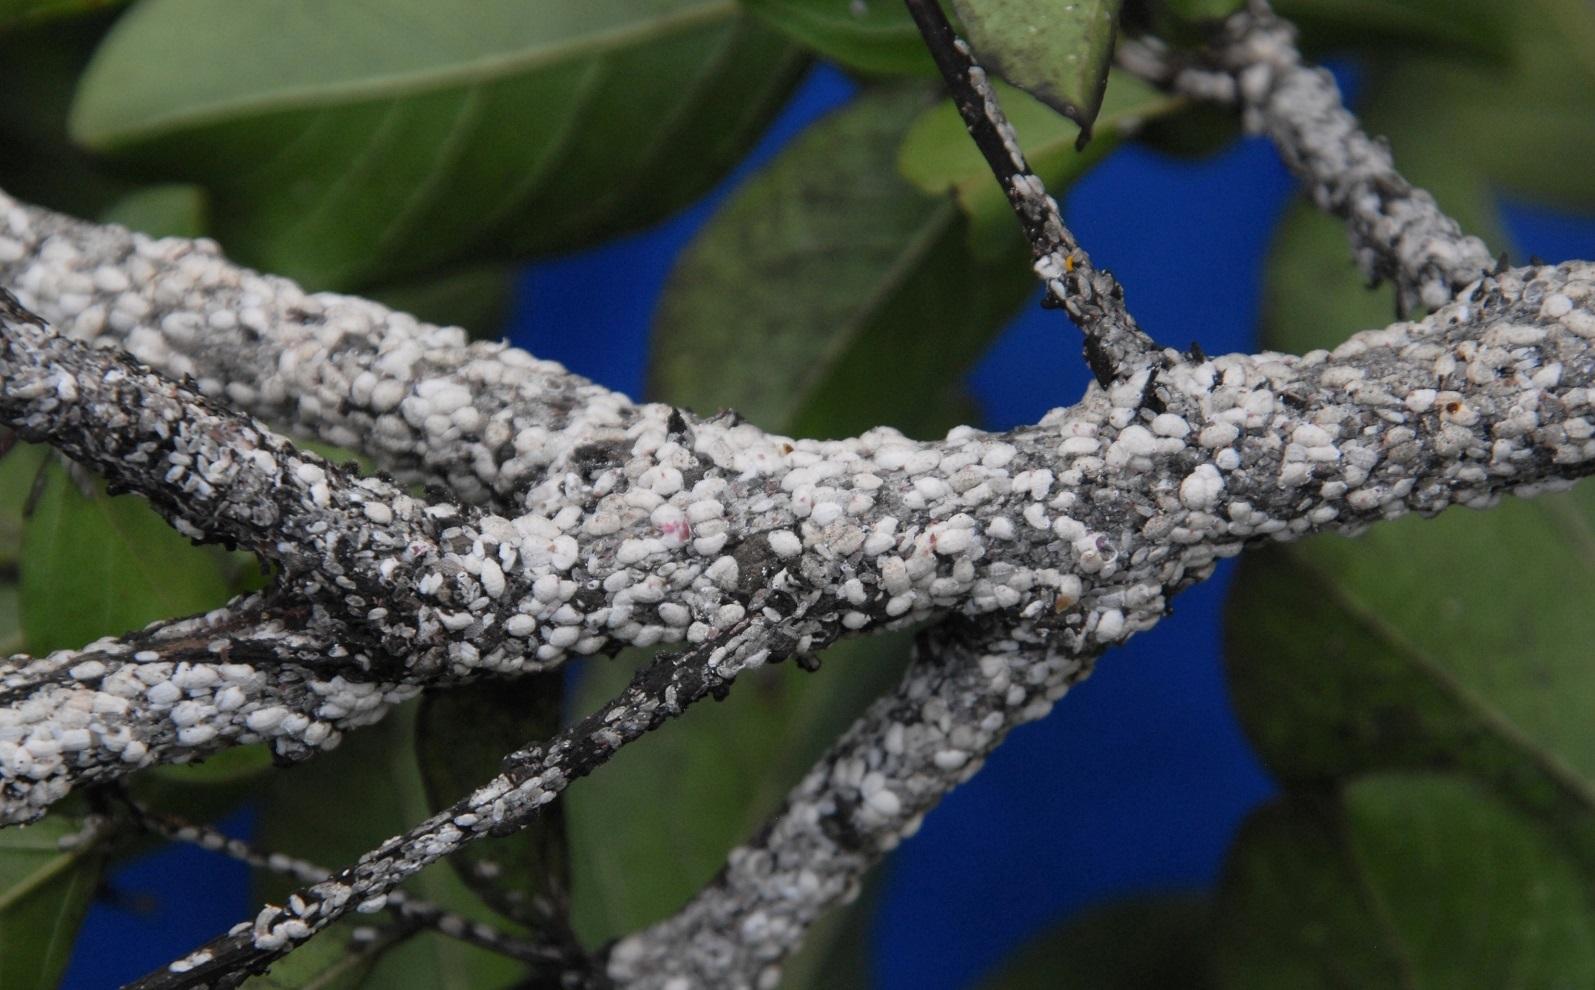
{"points": [[462, 737], [1480, 27], [339, 805], [170, 210], [1403, 880], [873, 36], [1140, 944], [22, 12], [97, 566], [825, 272], [1058, 53], [44, 892], [938, 156], [349, 144]]}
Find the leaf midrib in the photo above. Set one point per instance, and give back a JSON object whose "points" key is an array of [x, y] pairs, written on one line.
{"points": [[486, 68]]}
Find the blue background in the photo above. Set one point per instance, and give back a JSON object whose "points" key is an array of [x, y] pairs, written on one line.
{"points": [[1138, 779]]}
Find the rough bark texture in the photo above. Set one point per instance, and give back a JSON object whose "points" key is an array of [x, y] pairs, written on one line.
{"points": [[572, 521]]}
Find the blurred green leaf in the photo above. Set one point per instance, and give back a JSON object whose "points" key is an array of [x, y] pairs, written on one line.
{"points": [[1480, 27], [873, 36], [22, 12], [938, 156], [462, 737], [1516, 125], [337, 806], [1142, 944], [822, 273], [347, 144], [1403, 880], [44, 892], [98, 566], [170, 210], [1059, 53]]}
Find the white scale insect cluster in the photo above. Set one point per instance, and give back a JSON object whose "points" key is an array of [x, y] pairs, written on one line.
{"points": [[572, 521]]}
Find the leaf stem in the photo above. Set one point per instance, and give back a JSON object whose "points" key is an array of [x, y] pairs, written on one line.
{"points": [[1115, 348]]}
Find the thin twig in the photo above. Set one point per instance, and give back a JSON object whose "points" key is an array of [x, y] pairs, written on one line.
{"points": [[1398, 232], [1115, 347], [413, 909]]}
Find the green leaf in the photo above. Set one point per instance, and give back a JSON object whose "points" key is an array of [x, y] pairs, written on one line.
{"points": [[1136, 944], [938, 156], [170, 210], [873, 36], [1058, 53], [462, 737], [44, 892], [22, 12], [1403, 880], [337, 806], [96, 566], [1479, 27], [1410, 648], [348, 144], [743, 325]]}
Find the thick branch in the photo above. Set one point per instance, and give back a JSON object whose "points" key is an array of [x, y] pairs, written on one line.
{"points": [[1103, 505], [1397, 231], [480, 418]]}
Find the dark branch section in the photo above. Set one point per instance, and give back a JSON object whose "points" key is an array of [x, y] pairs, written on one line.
{"points": [[1115, 347]]}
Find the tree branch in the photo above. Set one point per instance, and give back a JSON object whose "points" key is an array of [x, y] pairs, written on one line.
{"points": [[640, 524], [1397, 231]]}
